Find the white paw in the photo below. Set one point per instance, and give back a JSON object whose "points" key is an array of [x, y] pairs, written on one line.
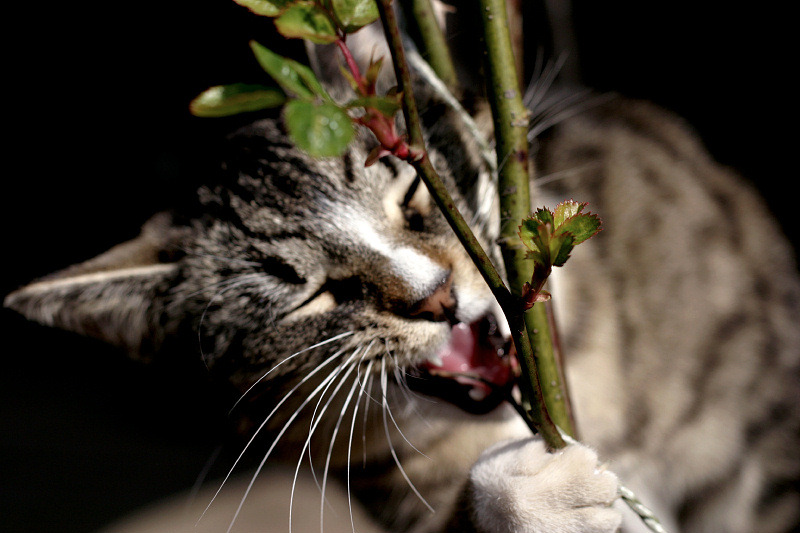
{"points": [[518, 487]]}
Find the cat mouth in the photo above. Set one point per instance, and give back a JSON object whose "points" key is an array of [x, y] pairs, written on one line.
{"points": [[475, 370]]}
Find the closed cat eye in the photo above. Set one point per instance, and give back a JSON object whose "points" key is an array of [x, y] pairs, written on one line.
{"points": [[275, 266], [340, 291], [412, 215]]}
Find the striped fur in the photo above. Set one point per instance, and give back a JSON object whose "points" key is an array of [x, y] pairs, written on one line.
{"points": [[293, 278]]}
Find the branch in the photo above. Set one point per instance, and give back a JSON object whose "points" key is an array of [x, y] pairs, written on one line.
{"points": [[434, 44], [533, 400], [511, 128]]}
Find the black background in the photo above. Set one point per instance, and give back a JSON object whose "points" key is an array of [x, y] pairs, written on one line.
{"points": [[100, 137]]}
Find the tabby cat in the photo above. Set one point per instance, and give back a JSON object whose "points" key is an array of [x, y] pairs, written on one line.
{"points": [[336, 300]]}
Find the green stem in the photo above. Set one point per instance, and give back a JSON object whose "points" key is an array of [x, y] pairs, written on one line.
{"points": [[533, 400], [547, 368], [435, 48], [558, 355], [423, 165], [511, 129]]}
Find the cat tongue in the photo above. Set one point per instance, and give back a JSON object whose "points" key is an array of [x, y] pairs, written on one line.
{"points": [[473, 359]]}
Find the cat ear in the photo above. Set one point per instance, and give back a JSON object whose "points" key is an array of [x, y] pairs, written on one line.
{"points": [[117, 296]]}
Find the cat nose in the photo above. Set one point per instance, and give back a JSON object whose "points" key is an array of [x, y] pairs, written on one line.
{"points": [[438, 306]]}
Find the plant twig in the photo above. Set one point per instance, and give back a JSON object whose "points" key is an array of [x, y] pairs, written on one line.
{"points": [[511, 127], [531, 390], [434, 44], [547, 367]]}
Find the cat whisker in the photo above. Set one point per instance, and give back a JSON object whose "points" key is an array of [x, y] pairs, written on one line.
{"points": [[564, 174], [366, 413], [389, 410], [345, 370], [221, 283], [568, 109], [401, 376], [410, 396], [234, 260], [536, 92], [543, 81], [333, 440], [332, 375], [368, 372], [304, 350], [233, 283], [315, 419], [330, 449], [201, 477], [389, 438], [266, 420]]}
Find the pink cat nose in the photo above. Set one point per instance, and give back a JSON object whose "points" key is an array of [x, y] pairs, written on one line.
{"points": [[439, 306]]}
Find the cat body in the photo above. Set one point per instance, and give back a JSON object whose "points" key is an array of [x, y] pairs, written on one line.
{"points": [[313, 287]]}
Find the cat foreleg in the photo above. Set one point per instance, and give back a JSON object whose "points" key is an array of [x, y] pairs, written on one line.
{"points": [[517, 486]]}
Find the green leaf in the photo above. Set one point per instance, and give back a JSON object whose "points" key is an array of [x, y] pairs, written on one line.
{"points": [[266, 8], [544, 216], [349, 77], [353, 15], [386, 105], [529, 233], [581, 226], [226, 100], [306, 20], [566, 209], [321, 129], [293, 77], [373, 71], [535, 236], [560, 247]]}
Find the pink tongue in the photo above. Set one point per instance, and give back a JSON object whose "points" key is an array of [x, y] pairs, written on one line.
{"points": [[464, 354]]}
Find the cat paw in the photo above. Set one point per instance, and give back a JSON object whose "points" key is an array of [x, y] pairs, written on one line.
{"points": [[518, 487]]}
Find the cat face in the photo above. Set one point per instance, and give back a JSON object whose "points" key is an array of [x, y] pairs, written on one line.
{"points": [[292, 266], [343, 262]]}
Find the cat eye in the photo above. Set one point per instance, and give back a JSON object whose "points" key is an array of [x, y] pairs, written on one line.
{"points": [[275, 266], [412, 190], [340, 291], [413, 217], [345, 290]]}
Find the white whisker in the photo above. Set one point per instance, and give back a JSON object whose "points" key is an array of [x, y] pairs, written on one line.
{"points": [[569, 109], [230, 284], [564, 174], [350, 445], [221, 258], [350, 366], [330, 448], [389, 410], [264, 423], [366, 412], [288, 423], [410, 396], [537, 91], [304, 350], [389, 439], [314, 421]]}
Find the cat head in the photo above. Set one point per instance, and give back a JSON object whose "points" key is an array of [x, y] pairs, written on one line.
{"points": [[285, 265]]}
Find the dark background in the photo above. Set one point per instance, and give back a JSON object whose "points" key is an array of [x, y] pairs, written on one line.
{"points": [[96, 103]]}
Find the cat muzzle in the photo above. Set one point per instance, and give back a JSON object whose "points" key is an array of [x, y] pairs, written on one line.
{"points": [[474, 370]]}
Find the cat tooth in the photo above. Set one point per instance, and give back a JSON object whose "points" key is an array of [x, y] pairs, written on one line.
{"points": [[436, 360], [477, 394]]}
